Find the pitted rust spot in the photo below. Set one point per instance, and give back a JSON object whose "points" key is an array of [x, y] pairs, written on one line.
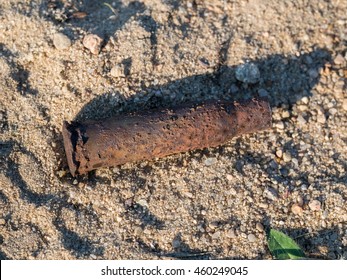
{"points": [[148, 135]]}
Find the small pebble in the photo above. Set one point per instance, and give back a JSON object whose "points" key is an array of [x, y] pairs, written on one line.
{"points": [[2, 222], [231, 233], [305, 100], [285, 114], [210, 161], [259, 227], [295, 161], [263, 205], [229, 177], [75, 182], [117, 71], [263, 93], [271, 193], [325, 214], [280, 125], [301, 120], [61, 41], [143, 203], [332, 111], [321, 119], [313, 73], [300, 201], [176, 243], [216, 235], [344, 104], [248, 73], [314, 205], [279, 153], [61, 173], [302, 108], [213, 225], [201, 228], [287, 157], [339, 59], [93, 43], [296, 209], [119, 219], [251, 237]]}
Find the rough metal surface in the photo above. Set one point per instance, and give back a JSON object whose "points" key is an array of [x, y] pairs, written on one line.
{"points": [[148, 135]]}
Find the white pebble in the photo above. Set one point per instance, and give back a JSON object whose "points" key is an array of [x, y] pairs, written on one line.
{"points": [[143, 203], [321, 119], [314, 205], [280, 125], [61, 41], [344, 104], [339, 59], [304, 100], [93, 43], [251, 237]]}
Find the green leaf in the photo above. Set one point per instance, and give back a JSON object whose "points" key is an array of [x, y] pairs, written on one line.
{"points": [[282, 247]]}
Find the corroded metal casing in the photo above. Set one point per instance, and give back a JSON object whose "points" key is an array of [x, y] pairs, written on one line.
{"points": [[154, 134]]}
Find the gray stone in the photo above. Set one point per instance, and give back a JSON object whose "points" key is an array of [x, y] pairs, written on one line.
{"points": [[210, 161], [248, 73]]}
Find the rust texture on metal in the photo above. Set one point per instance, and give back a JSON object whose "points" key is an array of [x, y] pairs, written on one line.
{"points": [[154, 134]]}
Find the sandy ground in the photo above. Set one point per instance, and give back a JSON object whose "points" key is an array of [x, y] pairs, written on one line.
{"points": [[207, 204]]}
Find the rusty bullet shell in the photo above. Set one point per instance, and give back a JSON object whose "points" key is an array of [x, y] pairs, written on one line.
{"points": [[154, 134]]}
